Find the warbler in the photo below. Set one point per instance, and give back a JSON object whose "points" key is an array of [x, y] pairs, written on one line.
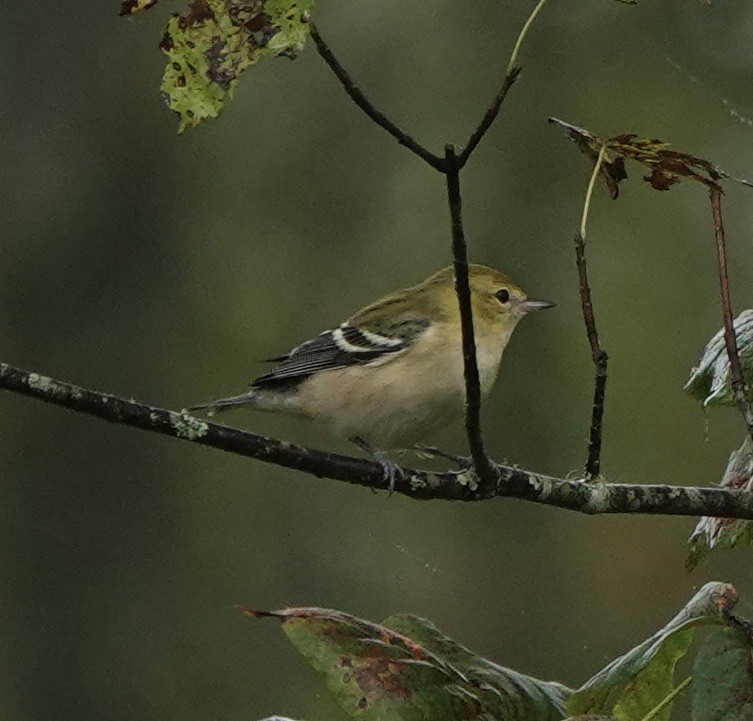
{"points": [[392, 374]]}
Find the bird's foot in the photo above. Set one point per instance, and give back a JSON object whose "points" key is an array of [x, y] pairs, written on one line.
{"points": [[390, 471]]}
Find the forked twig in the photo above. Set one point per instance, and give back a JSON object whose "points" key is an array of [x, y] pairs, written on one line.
{"points": [[450, 166]]}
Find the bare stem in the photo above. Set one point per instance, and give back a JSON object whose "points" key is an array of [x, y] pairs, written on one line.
{"points": [[730, 336], [519, 42], [598, 355], [590, 190], [462, 287]]}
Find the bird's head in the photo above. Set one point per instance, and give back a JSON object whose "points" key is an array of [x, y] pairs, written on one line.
{"points": [[496, 299]]}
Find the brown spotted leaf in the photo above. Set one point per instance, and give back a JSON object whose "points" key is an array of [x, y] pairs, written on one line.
{"points": [[214, 41], [407, 670]]}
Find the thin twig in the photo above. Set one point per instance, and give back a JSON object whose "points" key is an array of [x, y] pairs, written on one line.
{"points": [[368, 107], [459, 486], [599, 356], [462, 287], [739, 386], [519, 42], [511, 75], [489, 116]]}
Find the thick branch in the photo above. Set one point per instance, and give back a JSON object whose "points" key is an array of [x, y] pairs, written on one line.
{"points": [[513, 482], [730, 336], [462, 287], [368, 107]]}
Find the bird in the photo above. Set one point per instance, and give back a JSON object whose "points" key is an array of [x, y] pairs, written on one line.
{"points": [[392, 374]]}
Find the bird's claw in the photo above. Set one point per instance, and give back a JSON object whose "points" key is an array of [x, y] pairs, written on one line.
{"points": [[390, 473]]}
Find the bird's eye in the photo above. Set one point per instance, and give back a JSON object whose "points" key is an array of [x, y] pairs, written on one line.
{"points": [[503, 296]]}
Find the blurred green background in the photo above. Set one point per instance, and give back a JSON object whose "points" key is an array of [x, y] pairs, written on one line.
{"points": [[160, 267]]}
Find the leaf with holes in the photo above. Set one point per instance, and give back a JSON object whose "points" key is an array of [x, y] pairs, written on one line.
{"points": [[214, 41]]}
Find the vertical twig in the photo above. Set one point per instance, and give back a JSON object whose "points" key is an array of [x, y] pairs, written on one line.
{"points": [[599, 356], [486, 473], [730, 336]]}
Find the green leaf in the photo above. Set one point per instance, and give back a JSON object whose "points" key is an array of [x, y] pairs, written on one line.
{"points": [[520, 690], [635, 684], [407, 670], [722, 676], [214, 41], [722, 533], [711, 380]]}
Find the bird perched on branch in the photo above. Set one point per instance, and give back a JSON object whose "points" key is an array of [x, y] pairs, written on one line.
{"points": [[392, 374]]}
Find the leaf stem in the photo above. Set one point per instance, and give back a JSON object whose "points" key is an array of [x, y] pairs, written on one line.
{"points": [[519, 42], [590, 190]]}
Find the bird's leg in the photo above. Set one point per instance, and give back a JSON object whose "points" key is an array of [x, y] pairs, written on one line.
{"points": [[390, 470], [461, 462]]}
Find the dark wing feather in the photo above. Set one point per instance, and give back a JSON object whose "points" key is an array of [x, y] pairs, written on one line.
{"points": [[341, 347]]}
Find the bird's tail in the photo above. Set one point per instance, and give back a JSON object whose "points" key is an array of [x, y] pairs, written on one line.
{"points": [[221, 404]]}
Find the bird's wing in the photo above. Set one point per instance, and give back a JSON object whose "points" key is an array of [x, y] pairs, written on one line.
{"points": [[344, 346]]}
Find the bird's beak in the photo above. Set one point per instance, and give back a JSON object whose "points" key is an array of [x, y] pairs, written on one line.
{"points": [[526, 306]]}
